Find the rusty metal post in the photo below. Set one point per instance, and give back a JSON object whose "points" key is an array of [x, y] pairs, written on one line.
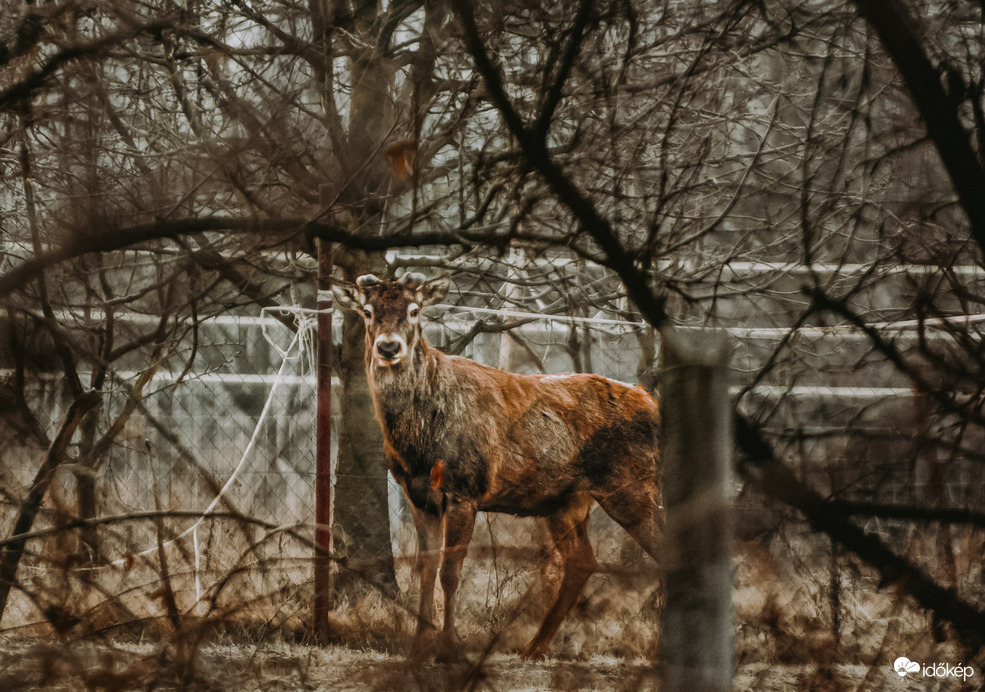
{"points": [[324, 596], [696, 645]]}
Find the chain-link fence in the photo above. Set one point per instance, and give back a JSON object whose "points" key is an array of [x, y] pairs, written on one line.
{"points": [[208, 485], [203, 479]]}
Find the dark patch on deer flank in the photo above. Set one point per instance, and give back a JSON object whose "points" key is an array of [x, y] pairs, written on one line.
{"points": [[612, 442]]}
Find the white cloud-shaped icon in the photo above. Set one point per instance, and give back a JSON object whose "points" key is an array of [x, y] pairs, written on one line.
{"points": [[903, 665]]}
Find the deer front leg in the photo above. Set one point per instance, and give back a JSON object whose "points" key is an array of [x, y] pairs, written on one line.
{"points": [[459, 521], [428, 557]]}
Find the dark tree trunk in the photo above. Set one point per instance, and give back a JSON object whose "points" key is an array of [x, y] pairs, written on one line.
{"points": [[362, 515], [85, 488]]}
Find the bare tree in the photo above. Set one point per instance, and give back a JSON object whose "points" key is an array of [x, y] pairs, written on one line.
{"points": [[805, 176]]}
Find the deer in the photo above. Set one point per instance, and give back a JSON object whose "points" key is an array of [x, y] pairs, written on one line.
{"points": [[461, 437]]}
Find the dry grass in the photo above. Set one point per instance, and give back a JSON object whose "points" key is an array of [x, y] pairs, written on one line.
{"points": [[804, 621]]}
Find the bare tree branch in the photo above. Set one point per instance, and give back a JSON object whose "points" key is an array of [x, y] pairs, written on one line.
{"points": [[26, 87], [896, 29], [534, 148], [761, 467]]}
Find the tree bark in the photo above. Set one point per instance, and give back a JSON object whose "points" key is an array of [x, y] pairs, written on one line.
{"points": [[361, 515]]}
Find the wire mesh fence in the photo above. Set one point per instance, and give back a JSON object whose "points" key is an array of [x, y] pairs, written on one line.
{"points": [[223, 456], [205, 503]]}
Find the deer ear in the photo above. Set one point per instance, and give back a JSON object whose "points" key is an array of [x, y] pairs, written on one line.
{"points": [[348, 296], [353, 296], [433, 291]]}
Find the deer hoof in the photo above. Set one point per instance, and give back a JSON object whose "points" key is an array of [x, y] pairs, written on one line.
{"points": [[425, 645], [448, 648], [534, 650]]}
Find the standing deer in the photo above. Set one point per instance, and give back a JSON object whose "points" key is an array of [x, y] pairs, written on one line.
{"points": [[462, 437]]}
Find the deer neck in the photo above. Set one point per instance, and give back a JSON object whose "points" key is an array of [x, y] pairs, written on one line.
{"points": [[409, 407]]}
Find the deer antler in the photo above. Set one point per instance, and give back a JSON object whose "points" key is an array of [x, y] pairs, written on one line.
{"points": [[411, 280], [367, 280]]}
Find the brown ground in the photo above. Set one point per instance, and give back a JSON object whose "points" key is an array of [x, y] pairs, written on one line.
{"points": [[270, 668]]}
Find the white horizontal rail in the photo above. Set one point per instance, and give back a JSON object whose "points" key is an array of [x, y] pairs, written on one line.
{"points": [[902, 326], [136, 318], [23, 250], [221, 378], [761, 268], [744, 268], [768, 391], [826, 392], [519, 314]]}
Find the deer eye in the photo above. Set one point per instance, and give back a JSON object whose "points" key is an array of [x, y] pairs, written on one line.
{"points": [[413, 311], [367, 312]]}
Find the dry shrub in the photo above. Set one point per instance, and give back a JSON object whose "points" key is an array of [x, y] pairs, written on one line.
{"points": [[811, 620], [366, 619], [806, 619]]}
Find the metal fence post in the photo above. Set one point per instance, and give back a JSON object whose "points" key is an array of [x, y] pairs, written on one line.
{"points": [[324, 596], [697, 639]]}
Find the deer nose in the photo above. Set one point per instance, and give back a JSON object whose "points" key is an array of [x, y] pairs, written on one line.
{"points": [[388, 350]]}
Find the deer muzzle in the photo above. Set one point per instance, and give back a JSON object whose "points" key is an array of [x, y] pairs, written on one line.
{"points": [[389, 349]]}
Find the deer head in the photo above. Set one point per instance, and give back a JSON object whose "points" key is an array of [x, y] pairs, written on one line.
{"points": [[391, 311]]}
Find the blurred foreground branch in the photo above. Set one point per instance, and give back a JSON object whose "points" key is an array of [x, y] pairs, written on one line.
{"points": [[761, 468], [14, 549]]}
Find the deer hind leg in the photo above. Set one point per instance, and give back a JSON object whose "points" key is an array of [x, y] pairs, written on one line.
{"points": [[645, 524], [635, 506], [428, 557], [459, 522], [569, 529], [551, 572], [633, 501]]}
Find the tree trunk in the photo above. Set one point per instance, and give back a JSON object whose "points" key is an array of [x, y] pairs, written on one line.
{"points": [[85, 488], [362, 514], [361, 522]]}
